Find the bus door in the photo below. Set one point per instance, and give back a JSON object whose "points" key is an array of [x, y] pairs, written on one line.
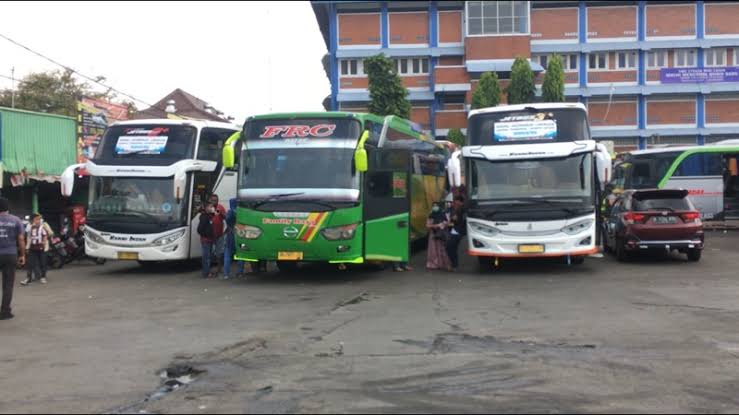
{"points": [[387, 198]]}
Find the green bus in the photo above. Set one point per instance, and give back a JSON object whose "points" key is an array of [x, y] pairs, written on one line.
{"points": [[336, 187], [708, 172]]}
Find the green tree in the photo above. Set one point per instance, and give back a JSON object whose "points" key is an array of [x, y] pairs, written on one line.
{"points": [[553, 89], [455, 136], [55, 92], [521, 90], [487, 93], [388, 96]]}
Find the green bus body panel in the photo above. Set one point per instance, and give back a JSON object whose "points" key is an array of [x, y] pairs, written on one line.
{"points": [[385, 240], [316, 248], [688, 153]]}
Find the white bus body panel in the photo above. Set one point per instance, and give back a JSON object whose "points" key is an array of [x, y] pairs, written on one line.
{"points": [[706, 192], [548, 233], [115, 243]]}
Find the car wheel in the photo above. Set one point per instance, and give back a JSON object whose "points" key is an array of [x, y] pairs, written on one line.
{"points": [[287, 266], [694, 255], [621, 253]]}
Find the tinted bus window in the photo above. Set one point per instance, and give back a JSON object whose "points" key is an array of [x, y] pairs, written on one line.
{"points": [[528, 126], [700, 164], [152, 144]]}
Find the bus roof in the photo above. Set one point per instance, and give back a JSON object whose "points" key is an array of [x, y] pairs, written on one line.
{"points": [[167, 121], [728, 145], [521, 107]]}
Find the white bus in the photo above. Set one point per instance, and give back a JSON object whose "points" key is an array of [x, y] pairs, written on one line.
{"points": [[148, 181], [533, 175]]}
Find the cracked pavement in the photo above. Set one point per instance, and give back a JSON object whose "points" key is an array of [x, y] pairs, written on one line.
{"points": [[655, 335]]}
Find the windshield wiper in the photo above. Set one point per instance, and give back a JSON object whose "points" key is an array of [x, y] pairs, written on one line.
{"points": [[274, 198]]}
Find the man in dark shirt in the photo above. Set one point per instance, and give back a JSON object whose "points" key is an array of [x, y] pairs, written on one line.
{"points": [[458, 224], [12, 253]]}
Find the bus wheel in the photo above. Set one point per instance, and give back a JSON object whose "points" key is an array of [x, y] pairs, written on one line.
{"points": [[287, 266], [577, 260], [485, 264]]}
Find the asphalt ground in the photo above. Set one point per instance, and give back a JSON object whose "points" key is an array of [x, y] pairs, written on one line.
{"points": [[658, 334]]}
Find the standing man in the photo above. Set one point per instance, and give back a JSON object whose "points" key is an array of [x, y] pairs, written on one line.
{"points": [[12, 253], [219, 229], [458, 225]]}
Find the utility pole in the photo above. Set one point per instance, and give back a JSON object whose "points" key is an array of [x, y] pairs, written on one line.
{"points": [[12, 88]]}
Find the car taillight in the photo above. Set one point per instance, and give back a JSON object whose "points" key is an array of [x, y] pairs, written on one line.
{"points": [[631, 217], [691, 217]]}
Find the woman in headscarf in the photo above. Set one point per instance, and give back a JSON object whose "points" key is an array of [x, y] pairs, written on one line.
{"points": [[437, 224]]}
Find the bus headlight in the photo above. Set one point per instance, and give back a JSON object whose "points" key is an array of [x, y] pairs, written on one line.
{"points": [[247, 231], [340, 233], [578, 227], [484, 229], [168, 239], [92, 236]]}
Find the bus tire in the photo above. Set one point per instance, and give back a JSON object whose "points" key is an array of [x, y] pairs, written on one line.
{"points": [[577, 260], [621, 254], [694, 255], [485, 264], [287, 266]]}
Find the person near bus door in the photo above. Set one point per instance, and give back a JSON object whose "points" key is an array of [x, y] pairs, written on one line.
{"points": [[36, 246], [457, 230], [12, 253], [230, 243]]}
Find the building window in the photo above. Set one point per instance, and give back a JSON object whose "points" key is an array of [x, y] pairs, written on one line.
{"points": [[715, 57], [626, 60], [412, 66], [497, 18], [598, 61], [684, 58], [569, 62], [351, 67], [657, 59]]}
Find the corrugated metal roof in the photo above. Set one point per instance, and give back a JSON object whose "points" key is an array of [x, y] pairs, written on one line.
{"points": [[42, 144]]}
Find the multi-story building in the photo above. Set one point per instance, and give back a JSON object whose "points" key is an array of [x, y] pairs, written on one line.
{"points": [[625, 60]]}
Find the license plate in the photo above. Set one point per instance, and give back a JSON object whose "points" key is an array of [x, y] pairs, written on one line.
{"points": [[132, 256], [664, 220], [289, 256], [531, 249]]}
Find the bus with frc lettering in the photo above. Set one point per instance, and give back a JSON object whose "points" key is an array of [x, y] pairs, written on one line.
{"points": [[709, 173], [336, 187], [534, 176], [148, 182]]}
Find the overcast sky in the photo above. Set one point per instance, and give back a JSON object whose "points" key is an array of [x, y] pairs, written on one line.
{"points": [[243, 58]]}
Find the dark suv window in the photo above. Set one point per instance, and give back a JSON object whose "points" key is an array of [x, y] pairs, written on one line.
{"points": [[671, 203]]}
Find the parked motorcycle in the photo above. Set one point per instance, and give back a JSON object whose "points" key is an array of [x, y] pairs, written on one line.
{"points": [[74, 244]]}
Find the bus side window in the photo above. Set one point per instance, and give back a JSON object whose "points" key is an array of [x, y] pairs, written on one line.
{"points": [[700, 164], [379, 184], [375, 130], [211, 144]]}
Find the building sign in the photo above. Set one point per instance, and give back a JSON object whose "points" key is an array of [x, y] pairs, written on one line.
{"points": [[93, 117], [698, 75]]}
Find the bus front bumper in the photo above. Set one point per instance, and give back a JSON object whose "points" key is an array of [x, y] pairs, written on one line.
{"points": [[174, 251], [522, 246]]}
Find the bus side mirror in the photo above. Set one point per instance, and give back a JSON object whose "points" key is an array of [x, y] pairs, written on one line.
{"points": [[67, 179], [360, 154], [229, 157], [229, 151], [360, 160]]}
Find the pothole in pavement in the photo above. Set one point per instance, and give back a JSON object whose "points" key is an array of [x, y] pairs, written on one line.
{"points": [[172, 379]]}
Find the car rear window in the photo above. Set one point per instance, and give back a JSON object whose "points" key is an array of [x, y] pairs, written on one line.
{"points": [[668, 203]]}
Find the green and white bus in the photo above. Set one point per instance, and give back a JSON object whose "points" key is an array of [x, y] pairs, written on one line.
{"points": [[336, 187], [708, 172]]}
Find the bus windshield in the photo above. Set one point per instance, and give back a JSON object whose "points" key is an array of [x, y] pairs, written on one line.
{"points": [[300, 159], [152, 144], [566, 180], [131, 203], [528, 126]]}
